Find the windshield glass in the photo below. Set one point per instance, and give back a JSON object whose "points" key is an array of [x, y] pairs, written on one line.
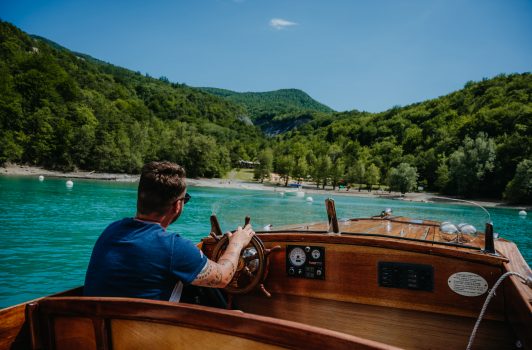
{"points": [[287, 208]]}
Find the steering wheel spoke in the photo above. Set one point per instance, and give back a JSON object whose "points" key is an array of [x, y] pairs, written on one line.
{"points": [[251, 257]]}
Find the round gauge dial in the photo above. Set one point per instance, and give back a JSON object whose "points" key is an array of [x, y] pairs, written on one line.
{"points": [[316, 254], [297, 256]]}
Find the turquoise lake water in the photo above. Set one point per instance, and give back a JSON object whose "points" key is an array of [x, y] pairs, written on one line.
{"points": [[47, 231]]}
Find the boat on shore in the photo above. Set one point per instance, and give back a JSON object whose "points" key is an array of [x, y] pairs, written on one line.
{"points": [[382, 282]]}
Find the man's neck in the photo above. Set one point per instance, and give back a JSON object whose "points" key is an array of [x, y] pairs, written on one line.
{"points": [[155, 219]]}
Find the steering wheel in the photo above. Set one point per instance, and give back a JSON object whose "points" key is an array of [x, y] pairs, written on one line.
{"points": [[251, 269]]}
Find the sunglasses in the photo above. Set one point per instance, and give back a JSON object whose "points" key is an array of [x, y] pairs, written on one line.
{"points": [[186, 198]]}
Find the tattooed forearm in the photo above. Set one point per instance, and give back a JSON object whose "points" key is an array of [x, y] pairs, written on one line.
{"points": [[205, 272], [219, 274], [228, 263], [216, 280], [210, 276]]}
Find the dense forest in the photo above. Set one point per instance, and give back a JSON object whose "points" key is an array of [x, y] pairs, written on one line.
{"points": [[275, 111], [473, 142], [66, 110]]}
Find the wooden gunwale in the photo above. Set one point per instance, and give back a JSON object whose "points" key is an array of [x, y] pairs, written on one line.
{"points": [[14, 326], [518, 297], [234, 323]]}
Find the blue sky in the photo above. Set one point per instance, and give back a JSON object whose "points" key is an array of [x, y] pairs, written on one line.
{"points": [[365, 55]]}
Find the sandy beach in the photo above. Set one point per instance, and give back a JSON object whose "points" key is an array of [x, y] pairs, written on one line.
{"points": [[308, 188]]}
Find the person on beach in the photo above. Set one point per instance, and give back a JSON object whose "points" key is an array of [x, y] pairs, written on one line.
{"points": [[137, 257]]}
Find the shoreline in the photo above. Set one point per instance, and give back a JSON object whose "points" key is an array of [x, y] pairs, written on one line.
{"points": [[420, 197]]}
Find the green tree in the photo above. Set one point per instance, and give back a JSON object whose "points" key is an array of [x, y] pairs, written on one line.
{"points": [[373, 176], [403, 178], [300, 170], [40, 131], [11, 149], [357, 173], [322, 170], [106, 155], [265, 166], [84, 138], [337, 172], [285, 164], [442, 176], [471, 163], [205, 158], [519, 189]]}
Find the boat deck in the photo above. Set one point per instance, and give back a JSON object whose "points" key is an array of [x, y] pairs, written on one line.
{"points": [[398, 227]]}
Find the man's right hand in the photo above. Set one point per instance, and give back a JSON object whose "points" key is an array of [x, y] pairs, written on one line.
{"points": [[241, 236], [219, 274]]}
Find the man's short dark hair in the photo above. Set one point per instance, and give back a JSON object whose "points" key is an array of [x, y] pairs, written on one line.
{"points": [[161, 184]]}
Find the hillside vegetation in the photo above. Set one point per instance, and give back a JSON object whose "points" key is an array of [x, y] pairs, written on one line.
{"points": [[469, 142], [66, 110], [275, 111]]}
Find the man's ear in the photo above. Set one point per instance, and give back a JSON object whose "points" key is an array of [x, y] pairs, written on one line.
{"points": [[177, 206]]}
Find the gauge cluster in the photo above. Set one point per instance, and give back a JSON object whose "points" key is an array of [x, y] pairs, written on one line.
{"points": [[305, 261]]}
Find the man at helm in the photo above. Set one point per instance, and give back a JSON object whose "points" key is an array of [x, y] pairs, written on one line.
{"points": [[137, 257]]}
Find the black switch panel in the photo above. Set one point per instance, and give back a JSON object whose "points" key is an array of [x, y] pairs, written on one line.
{"points": [[305, 262], [406, 276]]}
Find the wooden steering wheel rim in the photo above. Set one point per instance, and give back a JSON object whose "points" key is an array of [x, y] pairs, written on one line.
{"points": [[260, 271]]}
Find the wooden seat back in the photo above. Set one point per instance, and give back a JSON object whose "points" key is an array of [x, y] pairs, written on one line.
{"points": [[121, 323]]}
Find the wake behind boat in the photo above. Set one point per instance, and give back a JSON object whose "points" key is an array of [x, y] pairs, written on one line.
{"points": [[381, 282]]}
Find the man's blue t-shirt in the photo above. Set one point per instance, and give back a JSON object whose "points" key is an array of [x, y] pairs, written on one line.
{"points": [[139, 259]]}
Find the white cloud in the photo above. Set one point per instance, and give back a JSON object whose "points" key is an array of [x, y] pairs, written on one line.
{"points": [[279, 23]]}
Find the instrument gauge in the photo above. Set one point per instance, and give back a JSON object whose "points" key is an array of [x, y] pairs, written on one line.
{"points": [[316, 254], [297, 256]]}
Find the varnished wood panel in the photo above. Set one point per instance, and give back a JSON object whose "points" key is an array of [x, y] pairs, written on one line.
{"points": [[518, 296], [351, 275], [14, 333], [138, 335], [14, 330], [236, 324], [74, 333], [403, 328]]}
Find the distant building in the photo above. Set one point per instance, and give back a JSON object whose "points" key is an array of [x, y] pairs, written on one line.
{"points": [[247, 164]]}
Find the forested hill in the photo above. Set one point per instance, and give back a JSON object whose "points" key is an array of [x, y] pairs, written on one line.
{"points": [[277, 102], [275, 111], [65, 110], [472, 142]]}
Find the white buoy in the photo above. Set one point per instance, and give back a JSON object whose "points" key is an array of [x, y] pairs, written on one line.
{"points": [[310, 199], [69, 184], [41, 178], [522, 213]]}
